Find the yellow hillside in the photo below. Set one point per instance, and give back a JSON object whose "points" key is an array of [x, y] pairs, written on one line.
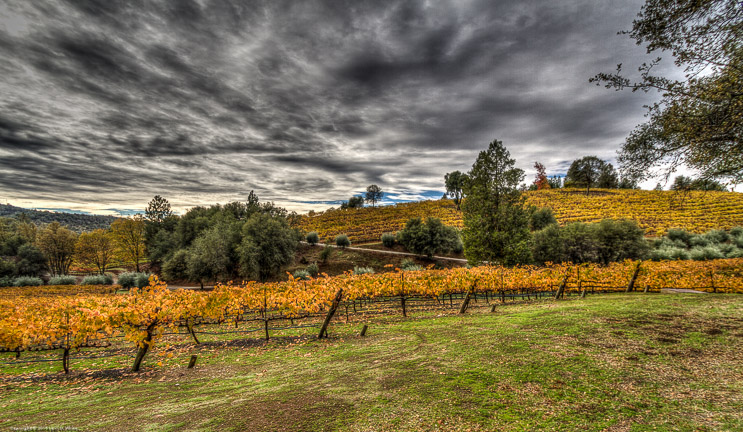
{"points": [[656, 211]]}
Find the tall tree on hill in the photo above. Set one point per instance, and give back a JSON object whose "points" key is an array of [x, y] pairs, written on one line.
{"points": [[699, 120], [584, 172], [373, 194], [158, 210], [496, 224], [541, 181], [129, 236], [455, 182]]}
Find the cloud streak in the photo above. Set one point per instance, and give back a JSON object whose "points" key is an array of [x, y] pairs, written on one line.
{"points": [[105, 104]]}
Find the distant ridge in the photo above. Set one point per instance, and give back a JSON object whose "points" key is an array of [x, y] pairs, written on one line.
{"points": [[74, 221]]}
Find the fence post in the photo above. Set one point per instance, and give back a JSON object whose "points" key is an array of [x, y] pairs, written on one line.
{"points": [[192, 362], [631, 284], [363, 330], [467, 297], [331, 312]]}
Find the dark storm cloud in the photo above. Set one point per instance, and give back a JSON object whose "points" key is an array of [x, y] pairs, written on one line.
{"points": [[201, 101]]}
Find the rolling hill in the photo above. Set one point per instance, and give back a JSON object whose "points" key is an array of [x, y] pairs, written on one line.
{"points": [[655, 211], [75, 222]]}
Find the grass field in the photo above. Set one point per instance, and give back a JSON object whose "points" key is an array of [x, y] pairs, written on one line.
{"points": [[608, 362]]}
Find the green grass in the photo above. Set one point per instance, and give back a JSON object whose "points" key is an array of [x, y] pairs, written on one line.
{"points": [[611, 362]]}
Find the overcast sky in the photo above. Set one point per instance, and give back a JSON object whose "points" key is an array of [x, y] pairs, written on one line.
{"points": [[103, 105]]}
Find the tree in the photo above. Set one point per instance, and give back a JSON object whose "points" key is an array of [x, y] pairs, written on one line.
{"points": [[428, 238], [699, 120], [57, 243], [267, 247], [31, 260], [129, 235], [455, 182], [373, 194], [541, 181], [158, 210], [211, 255], [584, 172], [496, 224], [683, 183], [353, 202], [95, 249], [608, 177], [555, 182]]}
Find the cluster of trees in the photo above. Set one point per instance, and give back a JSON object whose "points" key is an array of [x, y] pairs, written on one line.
{"points": [[683, 183], [29, 250], [238, 240], [372, 196], [500, 228]]}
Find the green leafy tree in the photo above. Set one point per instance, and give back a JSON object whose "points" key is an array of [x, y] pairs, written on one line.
{"points": [[267, 247], [608, 177], [158, 210], [496, 224], [211, 255], [428, 238], [373, 194], [455, 183], [353, 202], [699, 120], [584, 172]]}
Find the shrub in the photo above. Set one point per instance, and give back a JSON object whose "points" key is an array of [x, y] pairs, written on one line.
{"points": [[679, 235], [409, 265], [362, 270], [132, 279], [736, 231], [22, 281], [717, 236], [705, 253], [142, 280], [427, 238], [698, 241], [341, 240], [301, 275], [325, 254], [6, 281], [738, 241], [679, 254], [458, 247], [313, 269], [63, 280], [541, 218], [313, 238], [547, 245], [97, 280], [619, 240], [388, 240]]}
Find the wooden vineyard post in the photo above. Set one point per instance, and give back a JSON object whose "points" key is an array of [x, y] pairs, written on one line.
{"points": [[633, 279], [402, 294], [712, 280], [363, 330], [66, 352], [492, 308], [192, 362], [561, 289], [331, 312], [582, 291], [467, 297]]}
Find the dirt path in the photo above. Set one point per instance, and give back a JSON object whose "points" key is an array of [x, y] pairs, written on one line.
{"points": [[461, 260]]}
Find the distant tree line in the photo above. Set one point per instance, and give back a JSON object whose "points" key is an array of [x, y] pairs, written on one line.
{"points": [[75, 222]]}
